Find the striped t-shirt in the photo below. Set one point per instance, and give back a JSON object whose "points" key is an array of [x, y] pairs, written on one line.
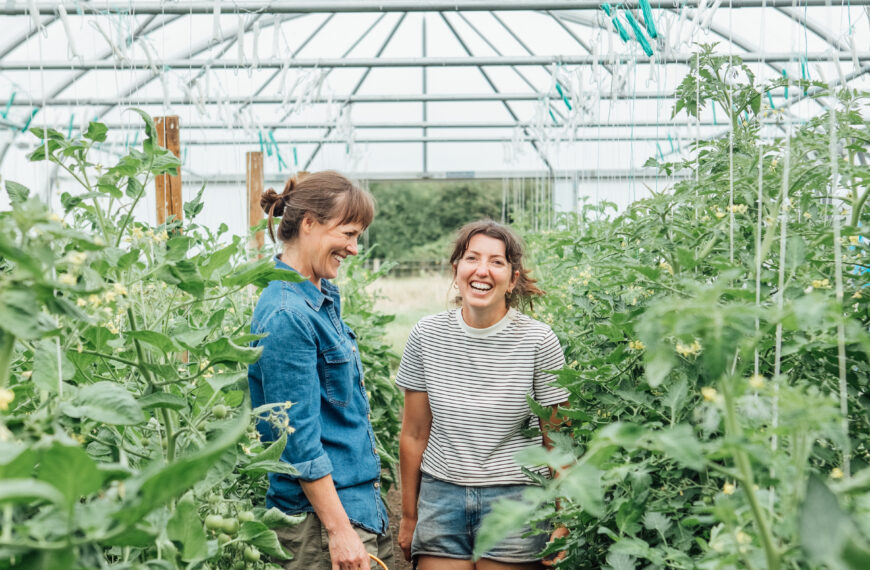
{"points": [[477, 381]]}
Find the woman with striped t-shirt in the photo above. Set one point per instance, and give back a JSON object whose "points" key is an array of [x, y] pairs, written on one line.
{"points": [[466, 375]]}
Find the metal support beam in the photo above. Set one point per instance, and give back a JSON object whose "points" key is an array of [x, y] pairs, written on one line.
{"points": [[356, 87], [383, 98], [252, 142], [322, 6], [410, 62], [408, 125], [495, 89]]}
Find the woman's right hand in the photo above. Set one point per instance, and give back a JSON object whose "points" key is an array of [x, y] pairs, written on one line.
{"points": [[406, 535], [346, 550]]}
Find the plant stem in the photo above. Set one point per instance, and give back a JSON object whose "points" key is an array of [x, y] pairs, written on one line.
{"points": [[7, 343], [735, 432]]}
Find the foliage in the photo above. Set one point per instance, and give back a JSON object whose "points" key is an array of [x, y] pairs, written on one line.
{"points": [[126, 435], [413, 215], [706, 335]]}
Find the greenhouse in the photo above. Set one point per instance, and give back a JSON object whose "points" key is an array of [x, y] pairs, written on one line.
{"points": [[689, 179]]}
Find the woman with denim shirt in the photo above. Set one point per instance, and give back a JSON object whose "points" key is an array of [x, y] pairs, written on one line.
{"points": [[467, 375], [311, 361]]}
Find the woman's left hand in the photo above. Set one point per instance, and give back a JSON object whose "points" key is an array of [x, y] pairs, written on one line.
{"points": [[560, 532]]}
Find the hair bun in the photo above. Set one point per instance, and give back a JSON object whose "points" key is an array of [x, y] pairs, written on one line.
{"points": [[272, 203]]}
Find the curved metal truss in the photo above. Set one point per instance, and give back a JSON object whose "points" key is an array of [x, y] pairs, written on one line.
{"points": [[538, 84]]}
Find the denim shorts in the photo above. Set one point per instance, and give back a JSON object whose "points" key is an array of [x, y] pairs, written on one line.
{"points": [[449, 517]]}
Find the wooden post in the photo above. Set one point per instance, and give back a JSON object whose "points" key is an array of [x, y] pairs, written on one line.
{"points": [[254, 177], [169, 199]]}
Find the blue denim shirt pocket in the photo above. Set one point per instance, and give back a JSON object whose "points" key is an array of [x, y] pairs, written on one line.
{"points": [[339, 373]]}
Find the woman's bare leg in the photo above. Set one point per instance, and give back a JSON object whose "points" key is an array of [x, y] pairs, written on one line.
{"points": [[442, 563], [486, 564]]}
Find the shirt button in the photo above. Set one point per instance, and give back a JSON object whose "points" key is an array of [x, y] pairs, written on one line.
{"points": [[377, 485], [353, 349]]}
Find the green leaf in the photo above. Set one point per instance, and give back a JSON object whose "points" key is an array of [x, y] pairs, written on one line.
{"points": [[822, 524], [506, 516], [259, 535], [158, 340], [160, 483], [28, 491], [220, 381], [45, 366], [582, 484], [263, 467], [16, 460], [273, 452], [680, 443], [20, 314], [71, 471], [275, 518], [260, 273], [217, 259], [105, 402], [194, 207], [96, 132], [162, 400], [224, 350], [150, 128], [18, 193], [185, 527]]}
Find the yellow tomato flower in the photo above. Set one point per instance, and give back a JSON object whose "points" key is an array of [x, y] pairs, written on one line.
{"points": [[67, 279], [837, 473], [81, 302], [6, 398], [666, 266], [710, 394], [636, 345], [854, 240], [719, 213], [821, 284], [729, 488], [757, 381], [686, 350], [77, 257], [137, 232], [120, 289]]}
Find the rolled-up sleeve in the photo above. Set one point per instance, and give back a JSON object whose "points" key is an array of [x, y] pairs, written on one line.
{"points": [[289, 369]]}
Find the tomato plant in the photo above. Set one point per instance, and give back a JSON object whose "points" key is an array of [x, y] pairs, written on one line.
{"points": [[126, 434], [717, 349]]}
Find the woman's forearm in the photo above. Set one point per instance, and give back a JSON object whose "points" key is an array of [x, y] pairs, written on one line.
{"points": [[410, 458], [323, 497]]}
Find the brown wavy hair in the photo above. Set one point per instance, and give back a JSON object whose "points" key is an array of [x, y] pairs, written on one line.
{"points": [[324, 195], [524, 291]]}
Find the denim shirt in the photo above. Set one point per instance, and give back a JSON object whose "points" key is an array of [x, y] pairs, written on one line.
{"points": [[311, 359]]}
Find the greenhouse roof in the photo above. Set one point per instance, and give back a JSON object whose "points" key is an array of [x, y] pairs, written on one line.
{"points": [[400, 89]]}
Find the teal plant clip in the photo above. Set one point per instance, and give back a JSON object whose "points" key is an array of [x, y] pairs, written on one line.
{"points": [[638, 33], [295, 158], [646, 9], [770, 100], [277, 151], [69, 128], [616, 23], [552, 116], [785, 74], [29, 120], [564, 98], [9, 105], [661, 154]]}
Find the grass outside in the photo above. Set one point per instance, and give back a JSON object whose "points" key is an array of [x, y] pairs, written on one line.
{"points": [[410, 299]]}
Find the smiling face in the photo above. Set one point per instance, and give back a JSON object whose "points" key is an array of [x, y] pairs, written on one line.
{"points": [[484, 275], [327, 245]]}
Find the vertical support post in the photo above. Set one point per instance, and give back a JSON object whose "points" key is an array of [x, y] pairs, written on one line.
{"points": [[254, 178], [169, 199], [425, 107]]}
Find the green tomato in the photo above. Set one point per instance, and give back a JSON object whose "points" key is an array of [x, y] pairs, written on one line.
{"points": [[230, 526], [247, 516], [224, 538], [214, 522], [252, 554], [220, 411]]}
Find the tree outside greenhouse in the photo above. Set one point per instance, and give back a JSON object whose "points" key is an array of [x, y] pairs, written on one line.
{"points": [[694, 206]]}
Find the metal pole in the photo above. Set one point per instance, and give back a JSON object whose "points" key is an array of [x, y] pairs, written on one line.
{"points": [[409, 62], [425, 91], [321, 6], [404, 125], [383, 98], [416, 140]]}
